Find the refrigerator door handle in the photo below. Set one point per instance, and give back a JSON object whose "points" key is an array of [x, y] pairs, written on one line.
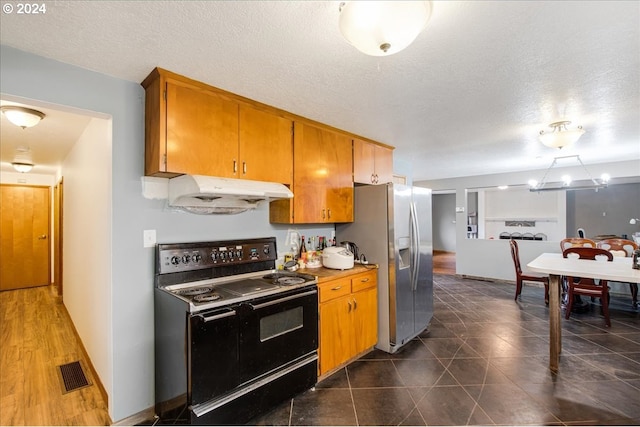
{"points": [[415, 246]]}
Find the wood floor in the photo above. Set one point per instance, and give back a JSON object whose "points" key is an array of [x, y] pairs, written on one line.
{"points": [[444, 262], [36, 337]]}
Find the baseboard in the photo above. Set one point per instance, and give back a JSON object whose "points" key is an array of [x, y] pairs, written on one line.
{"points": [[140, 417], [94, 374]]}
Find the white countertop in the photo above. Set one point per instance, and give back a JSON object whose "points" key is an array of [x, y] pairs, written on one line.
{"points": [[618, 270]]}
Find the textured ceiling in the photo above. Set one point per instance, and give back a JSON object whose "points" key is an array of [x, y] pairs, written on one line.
{"points": [[468, 97]]}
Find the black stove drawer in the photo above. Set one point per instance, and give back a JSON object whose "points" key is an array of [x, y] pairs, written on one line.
{"points": [[276, 330], [213, 355]]}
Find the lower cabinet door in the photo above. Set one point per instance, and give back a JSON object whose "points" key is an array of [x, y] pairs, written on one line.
{"points": [[336, 334], [365, 319]]}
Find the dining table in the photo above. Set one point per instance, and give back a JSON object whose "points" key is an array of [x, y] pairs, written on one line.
{"points": [[556, 266]]}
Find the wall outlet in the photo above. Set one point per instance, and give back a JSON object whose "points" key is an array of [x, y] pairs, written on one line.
{"points": [[459, 209], [149, 238]]}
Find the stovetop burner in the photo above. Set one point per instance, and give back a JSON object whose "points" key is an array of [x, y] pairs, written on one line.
{"points": [[192, 292], [207, 297], [289, 281]]}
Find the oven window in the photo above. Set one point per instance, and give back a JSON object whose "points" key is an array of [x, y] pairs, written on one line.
{"points": [[278, 324]]}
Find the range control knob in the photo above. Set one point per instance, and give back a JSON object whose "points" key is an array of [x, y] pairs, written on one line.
{"points": [[266, 249], [239, 253], [196, 258], [214, 256], [175, 260], [185, 259]]}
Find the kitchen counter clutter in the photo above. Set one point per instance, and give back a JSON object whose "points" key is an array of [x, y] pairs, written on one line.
{"points": [[348, 307]]}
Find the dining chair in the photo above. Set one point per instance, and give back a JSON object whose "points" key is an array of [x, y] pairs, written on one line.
{"points": [[587, 286], [623, 248], [531, 277], [570, 242]]}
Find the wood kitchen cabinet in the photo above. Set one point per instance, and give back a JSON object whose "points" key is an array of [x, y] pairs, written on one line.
{"points": [[193, 128], [348, 324], [323, 180], [372, 163]]}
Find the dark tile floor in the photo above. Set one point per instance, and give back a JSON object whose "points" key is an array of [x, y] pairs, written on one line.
{"points": [[484, 360]]}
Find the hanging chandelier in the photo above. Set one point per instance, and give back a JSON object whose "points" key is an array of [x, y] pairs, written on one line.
{"points": [[566, 180], [561, 136], [381, 28]]}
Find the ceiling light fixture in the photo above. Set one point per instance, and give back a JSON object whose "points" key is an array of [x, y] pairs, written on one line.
{"points": [[380, 28], [22, 161], [534, 185], [22, 167], [22, 116], [560, 136]]}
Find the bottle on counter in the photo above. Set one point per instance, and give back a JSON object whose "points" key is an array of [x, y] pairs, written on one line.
{"points": [[303, 250]]}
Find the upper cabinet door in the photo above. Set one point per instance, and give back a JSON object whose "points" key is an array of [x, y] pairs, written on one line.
{"points": [[384, 164], [372, 163], [364, 164], [202, 132], [266, 146], [323, 185]]}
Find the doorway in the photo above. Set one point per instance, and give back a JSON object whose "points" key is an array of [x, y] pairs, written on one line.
{"points": [[25, 226]]}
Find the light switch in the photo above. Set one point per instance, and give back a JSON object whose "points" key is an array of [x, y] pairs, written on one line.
{"points": [[459, 209], [149, 238]]}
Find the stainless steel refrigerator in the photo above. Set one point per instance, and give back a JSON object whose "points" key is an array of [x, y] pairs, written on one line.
{"points": [[392, 228]]}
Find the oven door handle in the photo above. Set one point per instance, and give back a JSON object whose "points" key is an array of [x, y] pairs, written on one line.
{"points": [[216, 316], [279, 300]]}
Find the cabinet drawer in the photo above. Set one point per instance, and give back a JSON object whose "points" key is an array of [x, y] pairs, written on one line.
{"points": [[334, 289], [364, 281]]}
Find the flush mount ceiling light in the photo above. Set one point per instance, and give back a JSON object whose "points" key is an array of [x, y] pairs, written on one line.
{"points": [[22, 116], [560, 136], [381, 28], [543, 185], [22, 167], [22, 161]]}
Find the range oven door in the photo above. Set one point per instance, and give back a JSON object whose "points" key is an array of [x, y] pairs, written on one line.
{"points": [[213, 361], [277, 330]]}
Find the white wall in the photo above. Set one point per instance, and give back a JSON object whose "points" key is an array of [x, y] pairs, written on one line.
{"points": [[546, 209], [87, 243]]}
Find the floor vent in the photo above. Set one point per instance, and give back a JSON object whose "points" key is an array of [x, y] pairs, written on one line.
{"points": [[72, 377]]}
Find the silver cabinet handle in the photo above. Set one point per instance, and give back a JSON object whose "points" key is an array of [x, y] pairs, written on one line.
{"points": [[244, 168], [349, 303], [323, 215], [337, 288], [329, 212], [365, 280], [355, 304], [235, 166], [43, 237]]}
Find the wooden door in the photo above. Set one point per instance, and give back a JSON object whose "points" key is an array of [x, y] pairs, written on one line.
{"points": [[202, 132], [266, 146], [24, 223]]}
